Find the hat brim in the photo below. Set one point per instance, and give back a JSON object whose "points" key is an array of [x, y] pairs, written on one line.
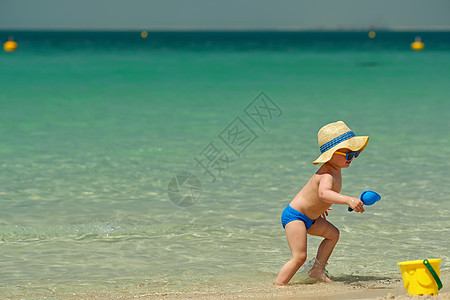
{"points": [[355, 143]]}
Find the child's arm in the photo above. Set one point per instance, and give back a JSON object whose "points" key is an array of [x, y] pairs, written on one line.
{"points": [[326, 194]]}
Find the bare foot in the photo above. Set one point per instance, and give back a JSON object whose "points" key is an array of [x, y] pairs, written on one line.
{"points": [[319, 274], [277, 284]]}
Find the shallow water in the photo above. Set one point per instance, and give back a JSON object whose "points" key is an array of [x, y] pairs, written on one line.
{"points": [[94, 127]]}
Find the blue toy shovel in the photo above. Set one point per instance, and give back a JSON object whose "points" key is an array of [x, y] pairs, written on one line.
{"points": [[368, 198]]}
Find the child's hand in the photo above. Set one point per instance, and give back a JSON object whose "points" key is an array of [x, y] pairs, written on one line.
{"points": [[325, 214], [356, 204]]}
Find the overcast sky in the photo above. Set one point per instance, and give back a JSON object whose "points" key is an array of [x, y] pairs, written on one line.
{"points": [[226, 14]]}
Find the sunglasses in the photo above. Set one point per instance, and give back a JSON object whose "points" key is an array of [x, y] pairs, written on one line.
{"points": [[350, 155]]}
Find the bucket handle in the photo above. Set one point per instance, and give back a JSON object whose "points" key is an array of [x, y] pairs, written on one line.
{"points": [[435, 276]]}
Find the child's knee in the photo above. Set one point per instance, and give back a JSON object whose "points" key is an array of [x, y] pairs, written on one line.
{"points": [[299, 259], [333, 234], [336, 234]]}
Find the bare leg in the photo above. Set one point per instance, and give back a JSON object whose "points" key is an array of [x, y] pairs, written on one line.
{"points": [[331, 234], [296, 238]]}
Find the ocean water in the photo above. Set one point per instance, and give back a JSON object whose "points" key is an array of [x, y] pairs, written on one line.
{"points": [[100, 130]]}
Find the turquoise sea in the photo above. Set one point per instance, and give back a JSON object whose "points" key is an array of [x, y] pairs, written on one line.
{"points": [[96, 127]]}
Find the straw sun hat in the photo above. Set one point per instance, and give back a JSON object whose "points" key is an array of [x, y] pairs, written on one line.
{"points": [[336, 136]]}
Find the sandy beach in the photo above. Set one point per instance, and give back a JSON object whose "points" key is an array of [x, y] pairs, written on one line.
{"points": [[380, 290]]}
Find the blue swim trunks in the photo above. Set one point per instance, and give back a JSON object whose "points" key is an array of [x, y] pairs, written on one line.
{"points": [[290, 214]]}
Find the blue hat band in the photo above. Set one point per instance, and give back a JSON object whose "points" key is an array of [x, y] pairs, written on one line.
{"points": [[337, 140]]}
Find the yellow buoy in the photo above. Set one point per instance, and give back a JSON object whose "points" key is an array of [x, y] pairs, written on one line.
{"points": [[372, 34], [144, 34], [10, 46], [417, 45]]}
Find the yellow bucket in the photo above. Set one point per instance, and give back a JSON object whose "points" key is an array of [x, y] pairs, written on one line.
{"points": [[421, 277]]}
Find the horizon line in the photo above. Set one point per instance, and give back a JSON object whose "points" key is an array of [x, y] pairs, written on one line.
{"points": [[284, 29]]}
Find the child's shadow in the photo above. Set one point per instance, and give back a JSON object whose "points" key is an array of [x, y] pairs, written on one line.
{"points": [[357, 278], [373, 282], [354, 280]]}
